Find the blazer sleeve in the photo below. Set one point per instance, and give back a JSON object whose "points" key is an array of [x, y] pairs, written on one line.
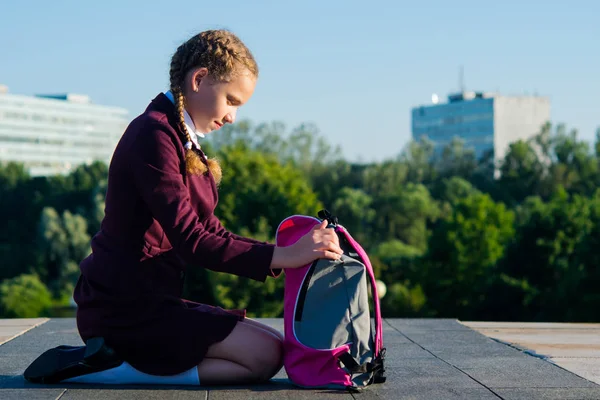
{"points": [[213, 225], [156, 171]]}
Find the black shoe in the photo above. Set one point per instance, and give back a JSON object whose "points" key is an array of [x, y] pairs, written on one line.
{"points": [[64, 362]]}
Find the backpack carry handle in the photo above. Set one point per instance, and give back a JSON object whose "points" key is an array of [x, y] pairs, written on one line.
{"points": [[326, 215]]}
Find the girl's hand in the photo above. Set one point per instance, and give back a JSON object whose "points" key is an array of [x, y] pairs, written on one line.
{"points": [[320, 242]]}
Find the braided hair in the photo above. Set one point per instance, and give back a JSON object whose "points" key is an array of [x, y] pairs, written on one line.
{"points": [[223, 54]]}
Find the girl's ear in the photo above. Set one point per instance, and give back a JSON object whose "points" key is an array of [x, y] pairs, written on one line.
{"points": [[197, 77]]}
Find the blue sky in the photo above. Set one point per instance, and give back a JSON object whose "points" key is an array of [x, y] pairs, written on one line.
{"points": [[354, 68]]}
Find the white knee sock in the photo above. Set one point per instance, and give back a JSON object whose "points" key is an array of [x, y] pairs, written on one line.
{"points": [[126, 374]]}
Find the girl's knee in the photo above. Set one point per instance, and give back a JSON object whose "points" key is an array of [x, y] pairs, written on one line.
{"points": [[258, 351], [268, 361]]}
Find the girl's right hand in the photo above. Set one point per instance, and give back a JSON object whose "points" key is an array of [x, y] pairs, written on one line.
{"points": [[319, 242]]}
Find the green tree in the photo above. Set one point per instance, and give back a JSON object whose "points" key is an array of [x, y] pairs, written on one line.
{"points": [[522, 173], [551, 260], [19, 210], [403, 213], [63, 242], [397, 263], [24, 296], [256, 186], [308, 149], [403, 300], [354, 211], [76, 191], [328, 180], [449, 191], [459, 266], [385, 177], [95, 214], [456, 160], [575, 167], [418, 157], [11, 174], [586, 303], [597, 144]]}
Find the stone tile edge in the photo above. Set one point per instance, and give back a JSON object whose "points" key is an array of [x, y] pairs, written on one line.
{"points": [[39, 323]]}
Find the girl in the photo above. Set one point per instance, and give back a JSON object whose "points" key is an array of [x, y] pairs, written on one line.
{"points": [[162, 191]]}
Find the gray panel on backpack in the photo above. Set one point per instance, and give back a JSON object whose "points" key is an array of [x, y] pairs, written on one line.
{"points": [[336, 309]]}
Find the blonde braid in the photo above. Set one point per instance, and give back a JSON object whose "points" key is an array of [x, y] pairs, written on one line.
{"points": [[193, 162], [215, 169], [229, 53]]}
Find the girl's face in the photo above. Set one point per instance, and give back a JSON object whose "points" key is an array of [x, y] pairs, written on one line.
{"points": [[211, 103]]}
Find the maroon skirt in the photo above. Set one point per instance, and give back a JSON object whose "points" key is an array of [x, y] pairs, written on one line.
{"points": [[159, 335]]}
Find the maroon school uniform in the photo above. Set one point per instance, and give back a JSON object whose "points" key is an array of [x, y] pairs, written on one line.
{"points": [[158, 219]]}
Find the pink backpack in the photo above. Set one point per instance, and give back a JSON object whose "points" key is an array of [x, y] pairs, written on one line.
{"points": [[330, 340]]}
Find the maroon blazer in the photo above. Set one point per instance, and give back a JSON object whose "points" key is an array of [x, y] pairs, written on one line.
{"points": [[158, 219]]}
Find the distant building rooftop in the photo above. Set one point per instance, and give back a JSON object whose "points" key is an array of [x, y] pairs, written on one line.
{"points": [[70, 97], [53, 133], [470, 95]]}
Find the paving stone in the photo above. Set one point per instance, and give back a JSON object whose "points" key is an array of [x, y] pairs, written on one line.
{"points": [[411, 393], [22, 321], [525, 372], [439, 338], [479, 350], [396, 355], [11, 328], [424, 324], [393, 336], [549, 394], [419, 373], [135, 393], [30, 394], [276, 394], [588, 368], [426, 359], [574, 342], [528, 325], [573, 346]]}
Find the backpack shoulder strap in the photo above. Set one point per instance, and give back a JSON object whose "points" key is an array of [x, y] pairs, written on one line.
{"points": [[378, 321]]}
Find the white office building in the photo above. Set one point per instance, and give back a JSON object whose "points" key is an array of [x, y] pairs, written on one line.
{"points": [[487, 122], [52, 134]]}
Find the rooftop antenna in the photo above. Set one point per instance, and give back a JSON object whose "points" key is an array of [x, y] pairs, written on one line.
{"points": [[461, 79]]}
